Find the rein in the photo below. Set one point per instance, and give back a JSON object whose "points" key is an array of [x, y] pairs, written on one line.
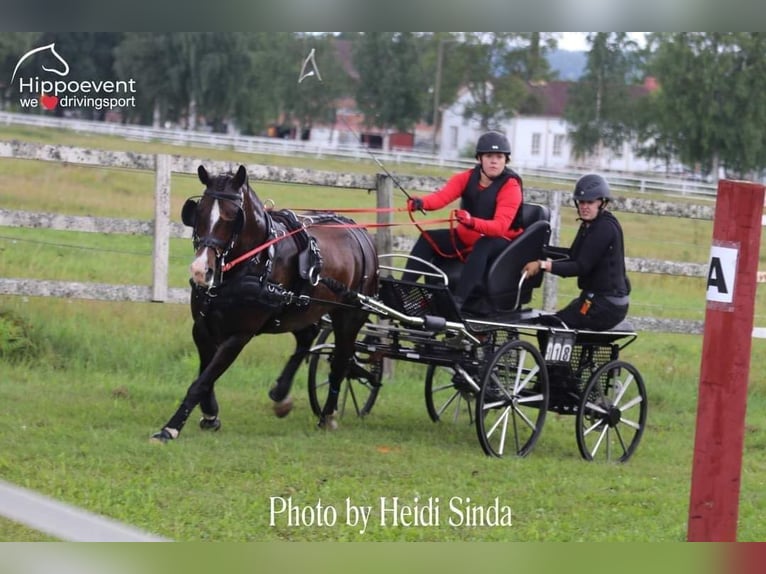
{"points": [[262, 247], [256, 250]]}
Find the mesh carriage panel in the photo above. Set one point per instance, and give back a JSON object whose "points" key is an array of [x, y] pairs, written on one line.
{"points": [[586, 359], [568, 380], [417, 299]]}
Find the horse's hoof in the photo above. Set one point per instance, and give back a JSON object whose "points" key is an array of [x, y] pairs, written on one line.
{"points": [[282, 408], [329, 422], [161, 437], [210, 424]]}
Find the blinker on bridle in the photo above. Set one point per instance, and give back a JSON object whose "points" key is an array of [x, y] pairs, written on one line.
{"points": [[189, 218]]}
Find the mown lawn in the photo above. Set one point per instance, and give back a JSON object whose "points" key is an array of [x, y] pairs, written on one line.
{"points": [[84, 384]]}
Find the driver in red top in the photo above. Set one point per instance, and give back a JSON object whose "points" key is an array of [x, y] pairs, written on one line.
{"points": [[490, 206]]}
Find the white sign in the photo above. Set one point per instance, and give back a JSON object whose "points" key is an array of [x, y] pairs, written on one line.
{"points": [[722, 271]]}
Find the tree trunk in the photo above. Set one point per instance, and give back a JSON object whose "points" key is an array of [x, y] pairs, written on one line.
{"points": [[191, 120]]}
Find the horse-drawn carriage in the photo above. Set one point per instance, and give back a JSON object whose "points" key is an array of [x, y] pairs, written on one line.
{"points": [[492, 365], [488, 364]]}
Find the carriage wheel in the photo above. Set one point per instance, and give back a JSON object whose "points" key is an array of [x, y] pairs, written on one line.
{"points": [[446, 398], [612, 413], [513, 401], [357, 393]]}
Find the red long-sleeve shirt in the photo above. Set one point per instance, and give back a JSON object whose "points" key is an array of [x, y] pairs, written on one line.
{"points": [[507, 203]]}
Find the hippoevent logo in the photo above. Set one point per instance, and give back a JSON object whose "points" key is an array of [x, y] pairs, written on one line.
{"points": [[48, 92]]}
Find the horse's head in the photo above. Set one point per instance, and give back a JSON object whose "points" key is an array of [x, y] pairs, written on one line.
{"points": [[218, 219]]}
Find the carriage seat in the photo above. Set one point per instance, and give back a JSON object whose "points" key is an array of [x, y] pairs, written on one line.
{"points": [[499, 291]]}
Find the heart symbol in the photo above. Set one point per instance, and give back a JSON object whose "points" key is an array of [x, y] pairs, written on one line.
{"points": [[49, 102]]}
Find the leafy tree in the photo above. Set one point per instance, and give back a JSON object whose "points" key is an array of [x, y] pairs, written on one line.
{"points": [[502, 66], [145, 57], [90, 56], [711, 105], [392, 88], [12, 46], [600, 105]]}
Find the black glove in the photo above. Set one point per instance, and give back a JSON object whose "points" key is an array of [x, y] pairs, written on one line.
{"points": [[415, 204]]}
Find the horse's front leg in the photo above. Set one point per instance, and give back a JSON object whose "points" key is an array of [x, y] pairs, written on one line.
{"points": [[206, 347], [280, 392], [202, 387]]}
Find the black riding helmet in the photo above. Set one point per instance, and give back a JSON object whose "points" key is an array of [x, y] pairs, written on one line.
{"points": [[591, 187], [493, 142]]}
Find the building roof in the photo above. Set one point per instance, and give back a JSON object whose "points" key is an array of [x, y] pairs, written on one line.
{"points": [[553, 96]]}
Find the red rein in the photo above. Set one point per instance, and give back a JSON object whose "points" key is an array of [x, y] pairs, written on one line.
{"points": [[451, 219]]}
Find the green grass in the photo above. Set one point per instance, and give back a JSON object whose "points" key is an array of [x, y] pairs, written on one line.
{"points": [[84, 384], [83, 396]]}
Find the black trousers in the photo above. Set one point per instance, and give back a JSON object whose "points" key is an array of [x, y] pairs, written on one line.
{"points": [[476, 262], [599, 314]]}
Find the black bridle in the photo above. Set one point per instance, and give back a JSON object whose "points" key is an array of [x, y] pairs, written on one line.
{"points": [[189, 214], [222, 247]]}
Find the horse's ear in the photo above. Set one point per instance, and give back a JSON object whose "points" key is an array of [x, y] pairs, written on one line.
{"points": [[240, 178], [204, 177]]}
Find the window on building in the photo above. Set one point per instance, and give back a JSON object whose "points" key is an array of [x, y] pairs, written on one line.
{"points": [[558, 144], [535, 144], [453, 137]]}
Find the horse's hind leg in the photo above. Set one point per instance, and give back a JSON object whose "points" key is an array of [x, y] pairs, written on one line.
{"points": [[280, 392], [346, 326]]}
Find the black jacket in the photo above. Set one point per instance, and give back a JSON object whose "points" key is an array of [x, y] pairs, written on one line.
{"points": [[597, 258]]}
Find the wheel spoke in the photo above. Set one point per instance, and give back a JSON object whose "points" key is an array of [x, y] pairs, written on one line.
{"points": [[531, 399], [513, 399], [502, 419], [524, 417], [623, 387], [595, 407], [593, 427], [600, 438], [631, 403], [619, 437], [604, 426]]}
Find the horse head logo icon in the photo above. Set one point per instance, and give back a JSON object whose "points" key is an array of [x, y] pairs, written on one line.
{"points": [[52, 47]]}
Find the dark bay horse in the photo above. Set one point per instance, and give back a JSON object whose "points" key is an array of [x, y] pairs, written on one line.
{"points": [[255, 272]]}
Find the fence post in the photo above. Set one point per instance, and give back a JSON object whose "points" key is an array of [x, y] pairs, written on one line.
{"points": [[384, 188], [725, 366], [161, 227], [551, 282]]}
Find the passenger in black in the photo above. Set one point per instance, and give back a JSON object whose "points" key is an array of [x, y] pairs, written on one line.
{"points": [[597, 258]]}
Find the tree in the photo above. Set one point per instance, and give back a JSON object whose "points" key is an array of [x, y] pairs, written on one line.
{"points": [[392, 88], [496, 87], [600, 105], [711, 105], [12, 46], [144, 57]]}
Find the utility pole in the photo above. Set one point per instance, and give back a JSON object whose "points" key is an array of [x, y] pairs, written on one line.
{"points": [[437, 88]]}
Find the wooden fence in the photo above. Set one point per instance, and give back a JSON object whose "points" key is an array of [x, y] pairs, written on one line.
{"points": [[162, 229]]}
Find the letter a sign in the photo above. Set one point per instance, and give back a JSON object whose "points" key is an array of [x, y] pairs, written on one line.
{"points": [[721, 274]]}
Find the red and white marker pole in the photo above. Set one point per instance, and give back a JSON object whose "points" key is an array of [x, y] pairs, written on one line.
{"points": [[725, 367]]}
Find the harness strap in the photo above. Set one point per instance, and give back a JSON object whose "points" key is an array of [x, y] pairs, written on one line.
{"points": [[256, 250]]}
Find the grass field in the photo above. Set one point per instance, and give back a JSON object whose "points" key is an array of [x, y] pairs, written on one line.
{"points": [[84, 384]]}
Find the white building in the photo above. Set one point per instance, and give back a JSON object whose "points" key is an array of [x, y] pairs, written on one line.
{"points": [[537, 141]]}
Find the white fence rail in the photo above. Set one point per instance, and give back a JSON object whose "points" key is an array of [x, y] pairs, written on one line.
{"points": [[162, 228], [278, 146]]}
